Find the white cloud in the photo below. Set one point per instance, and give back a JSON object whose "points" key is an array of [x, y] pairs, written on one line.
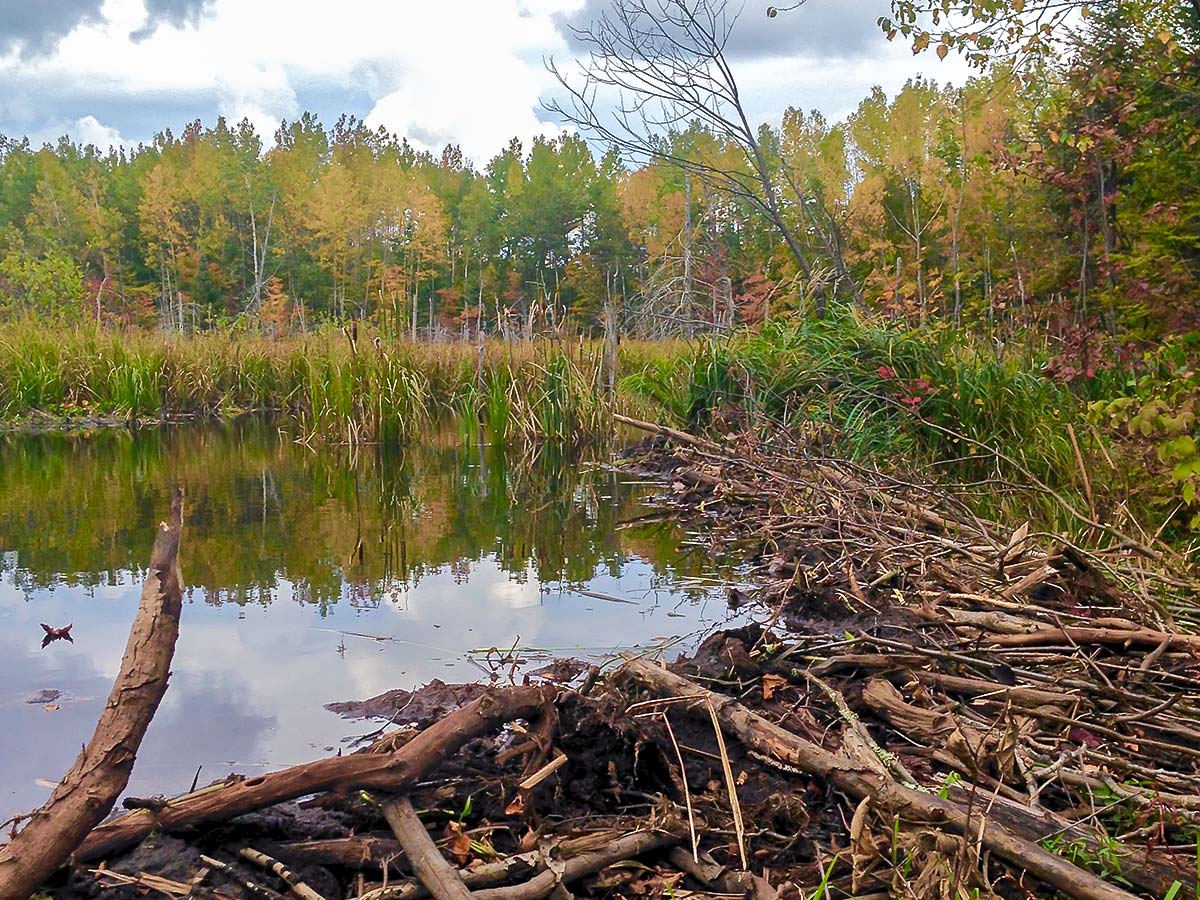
{"points": [[468, 72], [261, 93], [89, 130]]}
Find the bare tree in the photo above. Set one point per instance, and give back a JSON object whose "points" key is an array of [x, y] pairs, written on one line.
{"points": [[662, 66]]}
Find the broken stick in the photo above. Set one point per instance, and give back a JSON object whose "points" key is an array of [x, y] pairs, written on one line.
{"points": [[286, 875], [439, 877]]}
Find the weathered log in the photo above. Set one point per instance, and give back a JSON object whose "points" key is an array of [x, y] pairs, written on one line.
{"points": [[435, 871], [87, 793], [395, 771], [772, 740], [1120, 637], [1152, 871]]}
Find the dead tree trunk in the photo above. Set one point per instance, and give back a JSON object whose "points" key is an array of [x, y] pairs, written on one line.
{"points": [[87, 793]]}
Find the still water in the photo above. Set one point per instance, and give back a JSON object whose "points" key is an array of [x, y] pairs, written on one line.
{"points": [[312, 577]]}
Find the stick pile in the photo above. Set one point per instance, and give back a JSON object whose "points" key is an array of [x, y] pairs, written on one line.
{"points": [[1044, 688]]}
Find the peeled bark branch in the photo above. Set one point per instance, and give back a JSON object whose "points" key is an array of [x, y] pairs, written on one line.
{"points": [[394, 772], [1119, 637], [88, 792], [439, 877]]}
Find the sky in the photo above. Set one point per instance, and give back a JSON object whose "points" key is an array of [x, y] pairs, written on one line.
{"points": [[470, 72]]}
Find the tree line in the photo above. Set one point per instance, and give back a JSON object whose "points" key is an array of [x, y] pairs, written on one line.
{"points": [[1064, 191]]}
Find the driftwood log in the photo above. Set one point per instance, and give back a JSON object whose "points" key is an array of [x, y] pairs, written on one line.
{"points": [[395, 771], [860, 782], [87, 793]]}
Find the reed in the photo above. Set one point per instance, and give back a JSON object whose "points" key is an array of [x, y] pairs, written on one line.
{"points": [[332, 385]]}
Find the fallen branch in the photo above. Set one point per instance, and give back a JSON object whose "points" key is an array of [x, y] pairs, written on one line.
{"points": [[351, 852], [393, 771], [711, 873], [500, 871], [577, 867], [230, 872], [87, 793], [680, 437], [1143, 637], [286, 875]]}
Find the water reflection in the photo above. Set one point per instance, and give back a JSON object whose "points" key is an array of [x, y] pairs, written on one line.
{"points": [[296, 562]]}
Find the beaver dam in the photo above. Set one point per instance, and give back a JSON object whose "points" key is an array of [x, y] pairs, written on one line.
{"points": [[898, 699]]}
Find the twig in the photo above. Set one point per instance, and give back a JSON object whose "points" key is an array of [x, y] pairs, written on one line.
{"points": [[290, 878]]}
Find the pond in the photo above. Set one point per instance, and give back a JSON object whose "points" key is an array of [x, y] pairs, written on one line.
{"points": [[313, 577]]}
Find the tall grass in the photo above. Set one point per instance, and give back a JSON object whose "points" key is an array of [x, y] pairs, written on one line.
{"points": [[849, 387], [326, 385]]}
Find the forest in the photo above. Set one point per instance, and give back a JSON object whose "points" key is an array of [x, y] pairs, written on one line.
{"points": [[1015, 259], [1050, 193]]}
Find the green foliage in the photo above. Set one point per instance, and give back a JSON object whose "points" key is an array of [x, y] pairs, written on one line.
{"points": [[1159, 413], [49, 284], [1104, 860]]}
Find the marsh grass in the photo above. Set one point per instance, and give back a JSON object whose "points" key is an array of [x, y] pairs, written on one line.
{"points": [[862, 389], [325, 385]]}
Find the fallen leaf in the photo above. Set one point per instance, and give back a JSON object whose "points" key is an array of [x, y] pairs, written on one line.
{"points": [[772, 683], [56, 634], [458, 843]]}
